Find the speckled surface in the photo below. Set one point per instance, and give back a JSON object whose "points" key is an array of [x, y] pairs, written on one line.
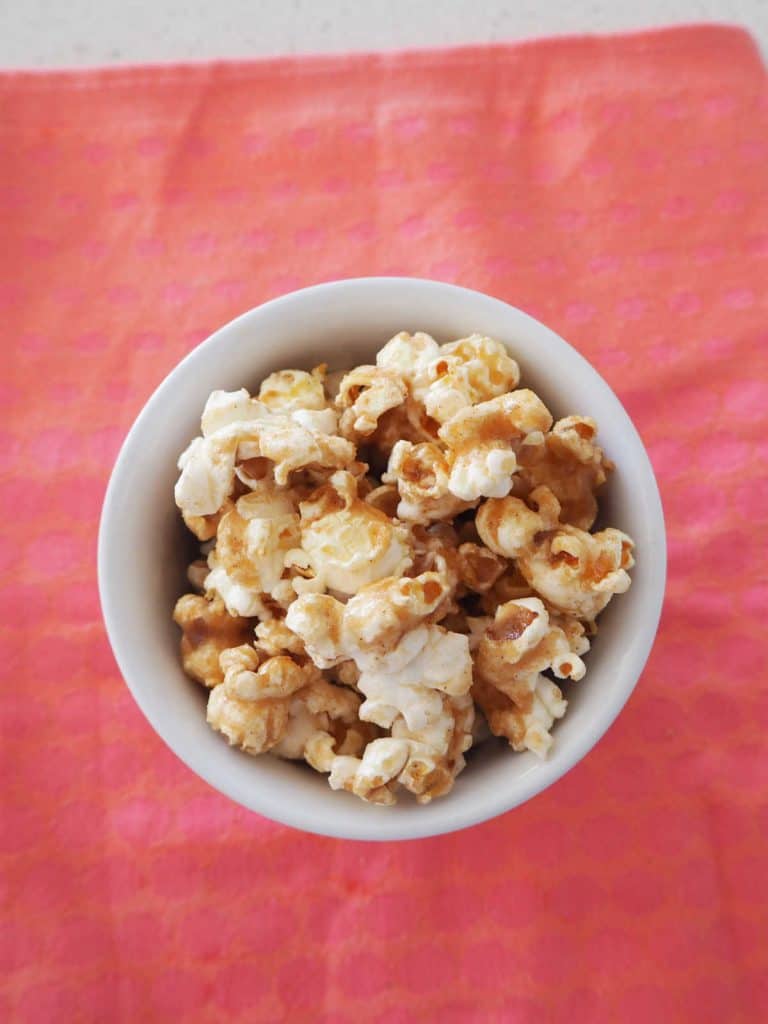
{"points": [[48, 33]]}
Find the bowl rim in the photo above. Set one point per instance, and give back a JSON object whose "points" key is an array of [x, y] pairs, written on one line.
{"points": [[548, 772]]}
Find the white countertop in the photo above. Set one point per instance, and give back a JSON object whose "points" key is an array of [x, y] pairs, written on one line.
{"points": [[65, 33]]}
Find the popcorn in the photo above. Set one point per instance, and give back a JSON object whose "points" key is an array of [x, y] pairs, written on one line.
{"points": [[508, 526], [251, 707], [207, 630], [571, 465], [408, 758], [273, 637], [421, 473], [356, 605], [484, 441], [409, 674], [238, 428], [290, 446], [578, 572], [406, 422], [466, 372], [517, 647], [254, 537], [409, 356], [293, 391], [325, 710], [347, 542], [365, 394], [370, 624]]}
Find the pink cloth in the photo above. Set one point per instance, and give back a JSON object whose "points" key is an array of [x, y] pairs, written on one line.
{"points": [[615, 188]]}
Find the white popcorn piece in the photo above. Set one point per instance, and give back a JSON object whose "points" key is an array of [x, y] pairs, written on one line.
{"points": [[484, 471], [237, 428], [349, 543], [253, 540], [207, 468], [293, 391], [317, 421], [226, 408], [409, 355]]}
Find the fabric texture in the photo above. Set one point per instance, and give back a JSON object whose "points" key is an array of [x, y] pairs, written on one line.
{"points": [[616, 189]]}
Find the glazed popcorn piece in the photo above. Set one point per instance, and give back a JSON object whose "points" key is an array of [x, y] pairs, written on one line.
{"points": [[408, 758], [421, 473], [346, 542], [274, 637], [324, 709], [251, 707], [484, 440], [365, 394], [526, 726], [254, 537], [276, 704], [409, 356], [370, 624], [238, 428], [571, 465], [409, 673], [292, 390], [509, 525], [207, 630], [466, 372], [578, 572], [381, 549], [516, 648]]}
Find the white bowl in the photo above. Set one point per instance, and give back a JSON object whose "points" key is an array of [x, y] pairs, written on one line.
{"points": [[144, 549]]}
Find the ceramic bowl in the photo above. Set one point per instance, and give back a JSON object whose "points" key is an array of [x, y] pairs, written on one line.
{"points": [[144, 548]]}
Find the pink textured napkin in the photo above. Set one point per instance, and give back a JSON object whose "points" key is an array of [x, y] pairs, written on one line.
{"points": [[615, 188]]}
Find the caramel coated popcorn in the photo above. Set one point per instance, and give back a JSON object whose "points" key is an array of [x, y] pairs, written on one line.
{"points": [[396, 562]]}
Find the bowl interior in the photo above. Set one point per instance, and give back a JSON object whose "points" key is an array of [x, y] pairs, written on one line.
{"points": [[144, 549]]}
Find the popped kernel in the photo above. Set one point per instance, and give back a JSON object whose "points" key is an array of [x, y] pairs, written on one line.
{"points": [[571, 465], [578, 572], [518, 645], [421, 473], [466, 372], [508, 525], [347, 542], [365, 394], [484, 441], [294, 390], [207, 629]]}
